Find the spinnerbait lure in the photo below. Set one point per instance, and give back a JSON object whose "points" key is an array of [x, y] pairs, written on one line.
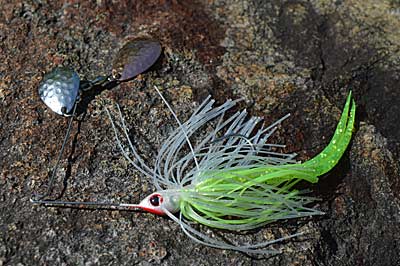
{"points": [[61, 88], [231, 179]]}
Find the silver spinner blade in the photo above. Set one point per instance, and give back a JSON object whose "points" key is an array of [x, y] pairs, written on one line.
{"points": [[59, 90]]}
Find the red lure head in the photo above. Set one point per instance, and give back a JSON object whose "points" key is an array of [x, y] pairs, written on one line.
{"points": [[158, 202]]}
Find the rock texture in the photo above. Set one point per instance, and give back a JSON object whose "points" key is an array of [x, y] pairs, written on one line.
{"points": [[300, 57]]}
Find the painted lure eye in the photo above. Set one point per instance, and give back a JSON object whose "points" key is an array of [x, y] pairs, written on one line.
{"points": [[156, 200]]}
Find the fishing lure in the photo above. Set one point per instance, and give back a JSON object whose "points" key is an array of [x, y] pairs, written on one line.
{"points": [[231, 178]]}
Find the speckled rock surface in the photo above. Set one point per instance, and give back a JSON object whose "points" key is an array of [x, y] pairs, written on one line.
{"points": [[300, 57]]}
